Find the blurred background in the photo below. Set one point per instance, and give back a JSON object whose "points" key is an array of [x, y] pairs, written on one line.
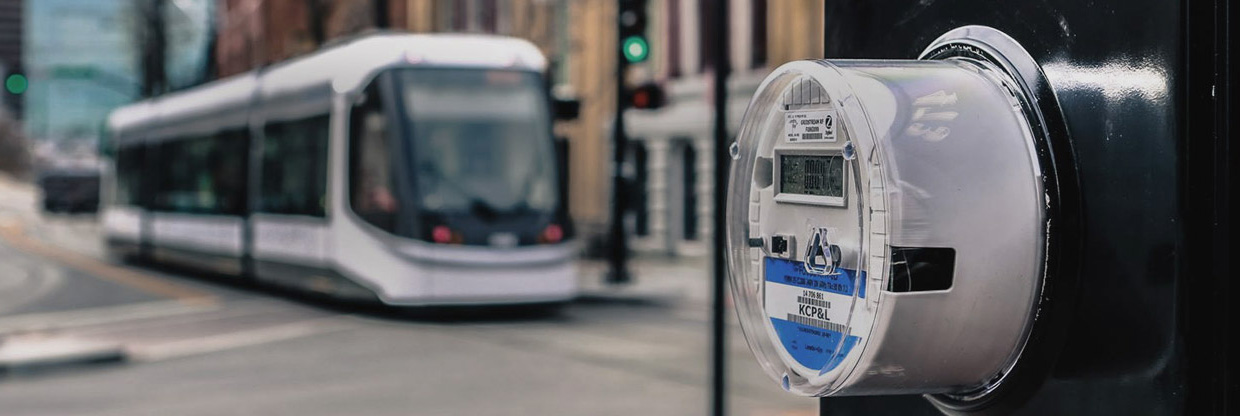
{"points": [[83, 333]]}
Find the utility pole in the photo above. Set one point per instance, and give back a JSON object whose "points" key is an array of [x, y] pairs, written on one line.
{"points": [[316, 14], [154, 47], [718, 388], [382, 14]]}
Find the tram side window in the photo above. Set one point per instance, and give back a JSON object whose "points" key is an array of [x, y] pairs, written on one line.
{"points": [[202, 175], [230, 169], [180, 189], [128, 175], [294, 167], [371, 193]]}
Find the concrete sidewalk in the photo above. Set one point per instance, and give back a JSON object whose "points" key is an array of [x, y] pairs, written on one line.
{"points": [[661, 278], [38, 351]]}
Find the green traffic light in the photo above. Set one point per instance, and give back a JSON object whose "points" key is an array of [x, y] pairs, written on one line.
{"points": [[16, 84], [635, 49]]}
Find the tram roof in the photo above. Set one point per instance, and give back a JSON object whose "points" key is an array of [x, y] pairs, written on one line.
{"points": [[340, 68]]}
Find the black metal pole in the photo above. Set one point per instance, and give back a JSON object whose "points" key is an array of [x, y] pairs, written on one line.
{"points": [[383, 18], [822, 405], [617, 247], [154, 48], [718, 402]]}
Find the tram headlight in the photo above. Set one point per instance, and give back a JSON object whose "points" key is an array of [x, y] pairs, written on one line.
{"points": [[886, 226]]}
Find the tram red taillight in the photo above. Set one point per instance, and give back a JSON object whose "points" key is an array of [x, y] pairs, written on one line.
{"points": [[552, 234], [443, 235]]}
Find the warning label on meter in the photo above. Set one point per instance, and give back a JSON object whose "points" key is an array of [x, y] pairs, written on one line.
{"points": [[809, 312], [810, 126]]}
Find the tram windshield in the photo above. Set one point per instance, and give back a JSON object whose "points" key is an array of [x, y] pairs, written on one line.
{"points": [[481, 140]]}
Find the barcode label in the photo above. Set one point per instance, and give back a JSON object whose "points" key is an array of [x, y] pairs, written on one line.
{"points": [[815, 302], [810, 126], [830, 326]]}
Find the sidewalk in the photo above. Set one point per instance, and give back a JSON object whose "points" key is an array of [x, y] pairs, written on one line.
{"points": [[661, 278], [19, 208]]}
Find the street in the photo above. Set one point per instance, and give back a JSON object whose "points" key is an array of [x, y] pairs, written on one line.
{"points": [[172, 342]]}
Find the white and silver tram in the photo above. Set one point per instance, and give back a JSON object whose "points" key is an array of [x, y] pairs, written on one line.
{"points": [[411, 169]]}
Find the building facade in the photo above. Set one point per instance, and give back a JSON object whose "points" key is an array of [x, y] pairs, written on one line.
{"points": [[81, 59], [670, 157], [80, 65]]}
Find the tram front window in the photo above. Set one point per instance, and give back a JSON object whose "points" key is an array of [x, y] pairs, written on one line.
{"points": [[481, 143]]}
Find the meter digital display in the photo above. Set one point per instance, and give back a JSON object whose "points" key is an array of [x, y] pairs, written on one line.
{"points": [[886, 226], [811, 175]]}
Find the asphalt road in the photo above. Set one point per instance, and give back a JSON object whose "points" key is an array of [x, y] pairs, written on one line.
{"points": [[202, 345]]}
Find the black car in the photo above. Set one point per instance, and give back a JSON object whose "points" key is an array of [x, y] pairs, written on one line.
{"points": [[70, 190]]}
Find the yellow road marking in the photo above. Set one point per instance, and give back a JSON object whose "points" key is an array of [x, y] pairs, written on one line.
{"points": [[15, 235]]}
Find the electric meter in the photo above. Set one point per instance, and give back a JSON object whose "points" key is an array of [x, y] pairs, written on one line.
{"points": [[887, 225]]}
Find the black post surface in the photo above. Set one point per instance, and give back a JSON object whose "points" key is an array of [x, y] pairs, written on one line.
{"points": [[154, 48], [822, 408], [718, 401], [617, 247]]}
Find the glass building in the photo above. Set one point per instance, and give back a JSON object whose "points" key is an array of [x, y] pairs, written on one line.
{"points": [[82, 60]]}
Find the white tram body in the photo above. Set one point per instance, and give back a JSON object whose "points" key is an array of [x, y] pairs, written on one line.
{"points": [[411, 169]]}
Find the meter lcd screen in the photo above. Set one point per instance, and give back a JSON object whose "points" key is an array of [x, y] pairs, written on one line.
{"points": [[813, 175]]}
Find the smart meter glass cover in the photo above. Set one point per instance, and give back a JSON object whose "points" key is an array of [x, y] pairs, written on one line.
{"points": [[886, 226]]}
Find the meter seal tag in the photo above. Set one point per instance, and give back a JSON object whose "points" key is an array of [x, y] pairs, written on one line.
{"points": [[810, 126], [809, 312]]}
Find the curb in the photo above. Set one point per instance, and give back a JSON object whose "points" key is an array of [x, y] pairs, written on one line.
{"points": [[32, 353]]}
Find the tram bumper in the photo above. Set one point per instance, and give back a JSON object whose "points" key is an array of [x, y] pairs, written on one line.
{"points": [[458, 276]]}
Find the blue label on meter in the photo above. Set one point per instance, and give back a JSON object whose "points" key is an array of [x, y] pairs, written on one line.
{"points": [[791, 272], [809, 312]]}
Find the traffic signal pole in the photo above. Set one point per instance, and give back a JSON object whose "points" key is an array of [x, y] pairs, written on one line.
{"points": [[617, 247]]}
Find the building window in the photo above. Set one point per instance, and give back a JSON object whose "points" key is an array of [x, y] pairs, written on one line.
{"points": [[673, 38], [294, 166], [460, 16], [688, 164], [488, 16], [639, 204], [706, 34]]}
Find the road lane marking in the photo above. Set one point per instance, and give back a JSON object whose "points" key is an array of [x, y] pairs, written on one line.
{"points": [[12, 232], [233, 340], [233, 310], [22, 283], [75, 318]]}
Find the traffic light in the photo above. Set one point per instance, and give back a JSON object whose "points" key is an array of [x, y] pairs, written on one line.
{"points": [[633, 19], [13, 84], [16, 84], [648, 96]]}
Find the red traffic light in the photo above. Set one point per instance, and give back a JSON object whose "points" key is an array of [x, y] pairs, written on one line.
{"points": [[647, 96]]}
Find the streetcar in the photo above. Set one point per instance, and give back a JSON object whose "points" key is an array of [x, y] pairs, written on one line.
{"points": [[406, 169]]}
